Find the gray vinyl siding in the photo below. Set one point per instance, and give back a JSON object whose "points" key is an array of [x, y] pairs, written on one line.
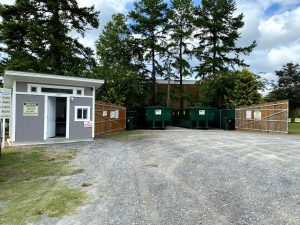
{"points": [[29, 128], [88, 91], [77, 129], [21, 86]]}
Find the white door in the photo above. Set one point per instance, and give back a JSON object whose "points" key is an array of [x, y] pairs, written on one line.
{"points": [[51, 116]]}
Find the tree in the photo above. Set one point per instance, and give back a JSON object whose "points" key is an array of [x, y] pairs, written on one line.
{"points": [[148, 21], [116, 54], [217, 34], [36, 36], [288, 86], [180, 30], [232, 89]]}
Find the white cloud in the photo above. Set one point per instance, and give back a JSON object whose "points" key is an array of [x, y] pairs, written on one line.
{"points": [[275, 28], [284, 54], [280, 29], [107, 8]]}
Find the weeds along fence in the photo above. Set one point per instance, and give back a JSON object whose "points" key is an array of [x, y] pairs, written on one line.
{"points": [[109, 118], [266, 117]]}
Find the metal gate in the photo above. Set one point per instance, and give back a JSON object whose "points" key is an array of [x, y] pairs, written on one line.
{"points": [[267, 117], [109, 118]]}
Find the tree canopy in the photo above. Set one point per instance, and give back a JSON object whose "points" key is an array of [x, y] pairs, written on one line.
{"points": [[36, 36], [217, 32], [180, 30], [117, 65], [232, 89], [148, 22], [288, 86]]}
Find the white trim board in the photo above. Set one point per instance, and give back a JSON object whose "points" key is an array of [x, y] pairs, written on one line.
{"points": [[10, 76], [88, 113], [53, 94]]}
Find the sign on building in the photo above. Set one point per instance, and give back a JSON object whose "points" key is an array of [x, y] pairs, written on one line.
{"points": [[30, 109], [5, 103]]}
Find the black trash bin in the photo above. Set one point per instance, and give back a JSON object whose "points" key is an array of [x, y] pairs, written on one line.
{"points": [[129, 123]]}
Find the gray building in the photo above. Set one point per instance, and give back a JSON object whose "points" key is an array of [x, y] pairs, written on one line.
{"points": [[46, 106]]}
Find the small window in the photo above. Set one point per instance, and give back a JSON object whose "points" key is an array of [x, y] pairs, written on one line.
{"points": [[79, 92], [82, 113], [57, 90], [33, 89]]}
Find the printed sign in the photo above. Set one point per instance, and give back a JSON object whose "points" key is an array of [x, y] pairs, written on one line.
{"points": [[104, 113], [88, 124], [30, 109], [248, 115], [112, 114], [5, 102], [117, 114], [201, 112], [257, 115], [157, 111]]}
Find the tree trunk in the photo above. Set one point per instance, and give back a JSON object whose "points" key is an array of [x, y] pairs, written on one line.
{"points": [[180, 75], [153, 76], [214, 53]]}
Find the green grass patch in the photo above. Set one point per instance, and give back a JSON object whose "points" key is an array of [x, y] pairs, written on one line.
{"points": [[86, 184], [30, 186], [294, 128]]}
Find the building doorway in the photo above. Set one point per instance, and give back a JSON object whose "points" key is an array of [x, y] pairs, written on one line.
{"points": [[56, 116]]}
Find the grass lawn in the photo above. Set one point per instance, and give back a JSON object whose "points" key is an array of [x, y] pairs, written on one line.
{"points": [[30, 186], [294, 128]]}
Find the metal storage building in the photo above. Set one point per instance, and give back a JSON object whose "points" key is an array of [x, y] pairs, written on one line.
{"points": [[44, 106]]}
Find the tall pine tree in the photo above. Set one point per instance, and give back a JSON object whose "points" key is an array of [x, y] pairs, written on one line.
{"points": [[116, 55], [180, 30], [148, 22], [288, 87], [36, 36], [217, 34]]}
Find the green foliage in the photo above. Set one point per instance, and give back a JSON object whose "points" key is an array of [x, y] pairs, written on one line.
{"points": [[148, 22], [122, 87], [180, 30], [116, 55], [232, 89], [217, 34], [288, 86], [36, 36], [30, 185]]}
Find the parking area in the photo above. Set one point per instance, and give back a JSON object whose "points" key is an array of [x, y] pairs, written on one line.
{"points": [[182, 176]]}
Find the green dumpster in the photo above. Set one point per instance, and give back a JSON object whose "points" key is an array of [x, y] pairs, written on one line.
{"points": [[228, 119], [194, 117], [158, 116]]}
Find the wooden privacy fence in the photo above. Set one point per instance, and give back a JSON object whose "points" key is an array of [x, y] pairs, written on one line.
{"points": [[109, 118], [267, 117]]}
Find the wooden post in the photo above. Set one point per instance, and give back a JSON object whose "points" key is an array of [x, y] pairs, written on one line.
{"points": [[3, 134]]}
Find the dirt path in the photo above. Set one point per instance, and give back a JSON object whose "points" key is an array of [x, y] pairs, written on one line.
{"points": [[188, 177]]}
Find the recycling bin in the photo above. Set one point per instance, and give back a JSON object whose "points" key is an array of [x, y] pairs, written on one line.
{"points": [[158, 116]]}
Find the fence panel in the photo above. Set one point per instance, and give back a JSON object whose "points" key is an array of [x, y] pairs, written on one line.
{"points": [[267, 117], [109, 118]]}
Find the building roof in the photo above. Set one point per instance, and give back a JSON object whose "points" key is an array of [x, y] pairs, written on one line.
{"points": [[10, 76], [161, 81]]}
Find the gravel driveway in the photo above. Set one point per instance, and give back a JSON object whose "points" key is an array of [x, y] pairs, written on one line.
{"points": [[187, 177]]}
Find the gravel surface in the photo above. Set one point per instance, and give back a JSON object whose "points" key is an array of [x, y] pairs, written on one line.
{"points": [[187, 177]]}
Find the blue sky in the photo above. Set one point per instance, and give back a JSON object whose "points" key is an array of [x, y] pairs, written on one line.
{"points": [[274, 24]]}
